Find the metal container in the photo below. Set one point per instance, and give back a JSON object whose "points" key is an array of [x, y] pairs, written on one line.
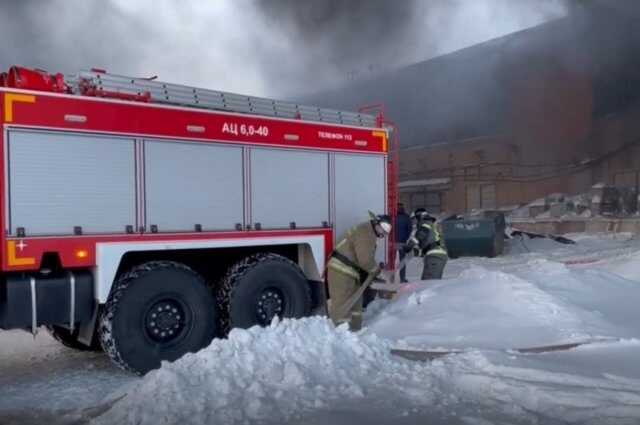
{"points": [[480, 235]]}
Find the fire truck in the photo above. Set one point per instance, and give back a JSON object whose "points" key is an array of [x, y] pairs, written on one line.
{"points": [[145, 218]]}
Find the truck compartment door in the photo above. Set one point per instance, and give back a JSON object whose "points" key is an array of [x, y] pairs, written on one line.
{"points": [[189, 184], [58, 181], [289, 187], [360, 185]]}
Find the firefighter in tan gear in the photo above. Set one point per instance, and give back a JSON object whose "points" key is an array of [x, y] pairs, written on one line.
{"points": [[426, 241], [351, 263]]}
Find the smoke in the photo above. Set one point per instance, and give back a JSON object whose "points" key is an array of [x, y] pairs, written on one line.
{"points": [[343, 33], [356, 38], [214, 44], [270, 47]]}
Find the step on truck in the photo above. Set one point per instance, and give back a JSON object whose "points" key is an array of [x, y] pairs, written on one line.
{"points": [[144, 218]]}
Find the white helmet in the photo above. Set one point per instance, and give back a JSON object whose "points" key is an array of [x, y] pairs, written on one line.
{"points": [[381, 223]]}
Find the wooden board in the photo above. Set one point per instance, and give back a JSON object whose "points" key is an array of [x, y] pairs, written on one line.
{"points": [[429, 355]]}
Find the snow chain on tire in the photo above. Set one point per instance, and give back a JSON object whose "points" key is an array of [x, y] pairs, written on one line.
{"points": [[64, 337], [226, 288], [119, 287]]}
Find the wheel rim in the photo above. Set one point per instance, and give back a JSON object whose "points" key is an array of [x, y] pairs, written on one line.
{"points": [[271, 302], [166, 321]]}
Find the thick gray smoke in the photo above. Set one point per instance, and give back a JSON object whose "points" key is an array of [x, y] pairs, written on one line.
{"points": [[344, 33], [269, 47], [356, 38], [63, 36]]}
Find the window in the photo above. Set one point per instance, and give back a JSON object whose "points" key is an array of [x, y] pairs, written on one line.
{"points": [[431, 201], [481, 197], [488, 197]]}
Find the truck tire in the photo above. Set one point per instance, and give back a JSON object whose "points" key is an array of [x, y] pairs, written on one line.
{"points": [[260, 287], [157, 311], [70, 339]]}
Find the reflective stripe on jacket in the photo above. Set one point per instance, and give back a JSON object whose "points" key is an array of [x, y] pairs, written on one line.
{"points": [[434, 244], [337, 265], [359, 246]]}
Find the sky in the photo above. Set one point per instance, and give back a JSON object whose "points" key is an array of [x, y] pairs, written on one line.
{"points": [[273, 48]]}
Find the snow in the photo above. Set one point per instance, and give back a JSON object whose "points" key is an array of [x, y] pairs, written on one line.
{"points": [[275, 374], [586, 214], [41, 376], [541, 202], [308, 371], [521, 309], [546, 214], [556, 197], [627, 266], [416, 318]]}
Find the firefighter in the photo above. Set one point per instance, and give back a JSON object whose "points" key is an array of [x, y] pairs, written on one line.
{"points": [[403, 233], [351, 263], [427, 242]]}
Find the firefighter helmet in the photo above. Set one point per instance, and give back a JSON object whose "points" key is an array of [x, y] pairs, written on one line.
{"points": [[422, 214], [381, 224]]}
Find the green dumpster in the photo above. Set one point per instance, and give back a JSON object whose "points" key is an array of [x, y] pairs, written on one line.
{"points": [[479, 235]]}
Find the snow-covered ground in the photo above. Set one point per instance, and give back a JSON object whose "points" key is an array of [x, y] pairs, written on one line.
{"points": [[540, 293]]}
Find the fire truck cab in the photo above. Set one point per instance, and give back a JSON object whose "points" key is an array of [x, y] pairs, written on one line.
{"points": [[144, 218]]}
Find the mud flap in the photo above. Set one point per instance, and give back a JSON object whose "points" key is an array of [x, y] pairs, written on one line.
{"points": [[319, 297]]}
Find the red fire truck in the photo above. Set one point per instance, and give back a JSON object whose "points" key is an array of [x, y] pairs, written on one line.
{"points": [[147, 218]]}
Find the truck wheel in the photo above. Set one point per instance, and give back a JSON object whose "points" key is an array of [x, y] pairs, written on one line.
{"points": [[70, 339], [260, 287], [158, 311]]}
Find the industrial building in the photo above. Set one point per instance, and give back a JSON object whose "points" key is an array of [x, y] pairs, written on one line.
{"points": [[551, 109]]}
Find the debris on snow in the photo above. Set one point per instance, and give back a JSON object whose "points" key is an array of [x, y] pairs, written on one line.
{"points": [[600, 201]]}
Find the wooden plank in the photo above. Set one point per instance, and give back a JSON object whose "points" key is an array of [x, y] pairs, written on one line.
{"points": [[550, 348], [421, 355], [387, 287], [429, 355]]}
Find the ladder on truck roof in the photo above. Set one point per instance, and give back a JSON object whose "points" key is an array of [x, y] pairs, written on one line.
{"points": [[99, 83]]}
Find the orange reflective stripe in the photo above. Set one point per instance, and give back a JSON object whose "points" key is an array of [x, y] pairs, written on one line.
{"points": [[13, 260], [382, 135], [10, 98]]}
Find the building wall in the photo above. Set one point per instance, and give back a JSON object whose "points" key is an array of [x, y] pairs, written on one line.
{"points": [[550, 106], [612, 145]]}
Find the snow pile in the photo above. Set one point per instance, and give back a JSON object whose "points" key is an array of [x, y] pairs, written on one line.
{"points": [[309, 371], [540, 293], [627, 266], [592, 385], [274, 374], [594, 246], [540, 303]]}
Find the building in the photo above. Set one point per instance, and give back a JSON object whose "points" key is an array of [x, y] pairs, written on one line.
{"points": [[554, 108]]}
